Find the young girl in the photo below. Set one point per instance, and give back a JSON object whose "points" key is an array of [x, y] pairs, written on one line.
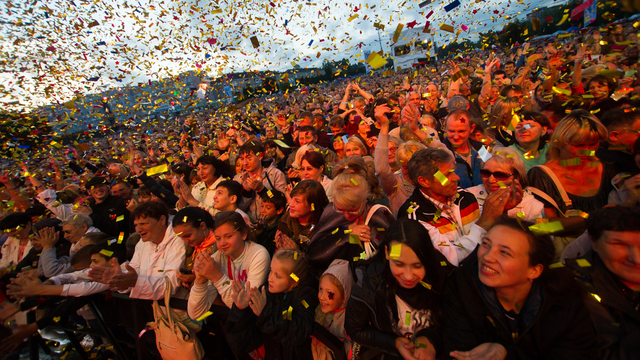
{"points": [[280, 316], [334, 292], [306, 204], [235, 260], [395, 305]]}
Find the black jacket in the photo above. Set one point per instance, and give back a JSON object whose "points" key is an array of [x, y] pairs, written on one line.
{"points": [[283, 339], [111, 216], [370, 319], [616, 316], [553, 324]]}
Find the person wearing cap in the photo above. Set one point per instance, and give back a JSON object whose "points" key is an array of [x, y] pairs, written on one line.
{"points": [[109, 213], [458, 128]]}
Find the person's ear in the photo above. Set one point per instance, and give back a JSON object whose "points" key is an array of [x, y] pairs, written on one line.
{"points": [[614, 137], [163, 220], [386, 252], [233, 199], [279, 211], [535, 271], [203, 226], [423, 182]]}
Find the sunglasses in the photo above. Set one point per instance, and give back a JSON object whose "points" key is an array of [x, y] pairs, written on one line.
{"points": [[498, 175]]}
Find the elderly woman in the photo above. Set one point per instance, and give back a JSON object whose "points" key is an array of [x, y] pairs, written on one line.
{"points": [[75, 226], [532, 140], [508, 303], [573, 178], [349, 228], [505, 169], [500, 118]]}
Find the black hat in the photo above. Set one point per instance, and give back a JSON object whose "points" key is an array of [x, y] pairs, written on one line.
{"points": [[96, 180]]}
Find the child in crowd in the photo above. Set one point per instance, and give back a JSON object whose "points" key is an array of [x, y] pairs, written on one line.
{"points": [[279, 316], [226, 198], [271, 211], [306, 204], [334, 292], [236, 259]]}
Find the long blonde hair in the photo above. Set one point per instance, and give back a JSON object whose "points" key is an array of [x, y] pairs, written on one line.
{"points": [[578, 127]]}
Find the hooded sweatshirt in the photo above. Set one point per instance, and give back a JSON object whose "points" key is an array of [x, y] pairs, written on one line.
{"points": [[334, 321]]}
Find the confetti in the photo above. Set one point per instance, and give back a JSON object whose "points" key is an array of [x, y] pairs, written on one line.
{"points": [[305, 304], [452, 6], [396, 249], [204, 316], [441, 178], [583, 263], [294, 277], [106, 253], [407, 318], [157, 170]]}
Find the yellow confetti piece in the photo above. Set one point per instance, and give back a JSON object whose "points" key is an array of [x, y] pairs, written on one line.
{"points": [[120, 218], [376, 61], [546, 228], [353, 17], [561, 91], [556, 265], [396, 34], [595, 296], [286, 315], [441, 178], [426, 285], [294, 277], [502, 185], [446, 27], [120, 237], [395, 251], [407, 318], [106, 253], [157, 170], [335, 231], [204, 316], [313, 208], [583, 263], [380, 229], [305, 304]]}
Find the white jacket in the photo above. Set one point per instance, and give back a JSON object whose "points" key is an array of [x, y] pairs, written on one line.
{"points": [[78, 283], [153, 262], [252, 266], [10, 251]]}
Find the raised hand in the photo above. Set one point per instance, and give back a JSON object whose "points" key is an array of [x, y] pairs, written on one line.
{"points": [[240, 296], [258, 300]]}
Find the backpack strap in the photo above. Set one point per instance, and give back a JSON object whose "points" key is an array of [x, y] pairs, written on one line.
{"points": [[372, 211], [547, 198], [565, 197]]}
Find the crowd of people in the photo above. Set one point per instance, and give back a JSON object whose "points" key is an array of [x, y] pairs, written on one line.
{"points": [[484, 207]]}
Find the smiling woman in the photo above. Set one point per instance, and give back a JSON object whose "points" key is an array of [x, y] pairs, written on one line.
{"points": [[396, 300], [508, 302]]}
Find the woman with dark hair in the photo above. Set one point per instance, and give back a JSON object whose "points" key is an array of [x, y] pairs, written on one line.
{"points": [[395, 304], [211, 171], [195, 227], [505, 301], [601, 88], [532, 139], [312, 166], [297, 226]]}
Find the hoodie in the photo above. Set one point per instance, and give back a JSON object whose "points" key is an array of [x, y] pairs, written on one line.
{"points": [[334, 321]]}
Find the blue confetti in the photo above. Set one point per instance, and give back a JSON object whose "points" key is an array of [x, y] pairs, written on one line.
{"points": [[310, 42], [452, 6]]}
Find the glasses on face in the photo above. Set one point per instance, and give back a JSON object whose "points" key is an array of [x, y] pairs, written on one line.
{"points": [[498, 175], [349, 212]]}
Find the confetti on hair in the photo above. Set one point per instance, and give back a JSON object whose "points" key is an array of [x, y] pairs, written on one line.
{"points": [[313, 208], [294, 277], [395, 251], [106, 253], [269, 193], [546, 228]]}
